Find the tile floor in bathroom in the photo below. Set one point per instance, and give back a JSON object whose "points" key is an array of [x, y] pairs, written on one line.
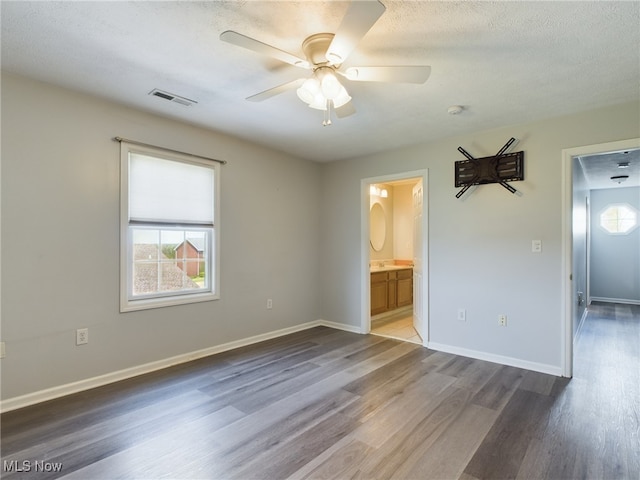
{"points": [[398, 326]]}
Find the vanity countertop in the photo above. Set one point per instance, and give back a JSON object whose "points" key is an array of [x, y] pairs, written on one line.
{"points": [[386, 268]]}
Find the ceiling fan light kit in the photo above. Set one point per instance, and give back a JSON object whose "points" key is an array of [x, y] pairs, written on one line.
{"points": [[323, 87], [325, 54]]}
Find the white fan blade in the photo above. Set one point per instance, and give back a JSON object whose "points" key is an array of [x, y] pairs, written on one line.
{"points": [[360, 17], [345, 110], [392, 74], [272, 92], [249, 43]]}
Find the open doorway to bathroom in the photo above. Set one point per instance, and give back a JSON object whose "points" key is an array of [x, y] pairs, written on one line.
{"points": [[395, 282]]}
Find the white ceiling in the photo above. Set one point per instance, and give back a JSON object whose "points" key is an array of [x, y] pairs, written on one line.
{"points": [[504, 62]]}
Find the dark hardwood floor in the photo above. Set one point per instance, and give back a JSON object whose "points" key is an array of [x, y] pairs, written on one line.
{"points": [[330, 404]]}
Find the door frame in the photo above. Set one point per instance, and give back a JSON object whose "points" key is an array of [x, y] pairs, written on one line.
{"points": [[567, 238], [365, 275]]}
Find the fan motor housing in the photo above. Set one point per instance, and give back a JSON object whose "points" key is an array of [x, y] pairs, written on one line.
{"points": [[315, 48]]}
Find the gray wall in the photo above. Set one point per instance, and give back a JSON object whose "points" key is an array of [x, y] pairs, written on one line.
{"points": [[615, 259], [480, 247], [60, 240]]}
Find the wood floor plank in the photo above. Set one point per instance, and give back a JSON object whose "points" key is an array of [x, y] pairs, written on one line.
{"points": [[455, 366], [230, 457], [466, 476], [541, 451], [296, 452], [403, 449], [295, 381], [438, 359], [403, 411], [83, 433], [330, 404], [501, 453], [257, 351], [498, 390], [475, 375], [341, 463], [537, 382], [278, 411], [397, 367], [240, 374], [171, 454], [51, 419], [258, 392], [383, 386], [449, 454], [341, 346]]}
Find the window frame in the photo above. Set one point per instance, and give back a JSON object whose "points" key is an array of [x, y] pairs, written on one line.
{"points": [[164, 299]]}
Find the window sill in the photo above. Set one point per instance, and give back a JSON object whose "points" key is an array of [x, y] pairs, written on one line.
{"points": [[149, 303]]}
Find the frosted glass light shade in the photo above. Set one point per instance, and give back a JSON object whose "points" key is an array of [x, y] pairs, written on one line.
{"points": [[342, 99], [330, 86], [319, 102], [309, 90]]}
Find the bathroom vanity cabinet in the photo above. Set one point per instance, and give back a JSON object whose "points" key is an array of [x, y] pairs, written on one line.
{"points": [[391, 289]]}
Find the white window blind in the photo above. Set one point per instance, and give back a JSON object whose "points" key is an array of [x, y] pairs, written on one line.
{"points": [[167, 191]]}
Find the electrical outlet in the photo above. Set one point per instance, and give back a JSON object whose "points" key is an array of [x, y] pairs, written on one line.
{"points": [[269, 304], [462, 315], [82, 336], [502, 320]]}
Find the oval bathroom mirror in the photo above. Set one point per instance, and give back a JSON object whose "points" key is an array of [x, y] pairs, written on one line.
{"points": [[377, 227]]}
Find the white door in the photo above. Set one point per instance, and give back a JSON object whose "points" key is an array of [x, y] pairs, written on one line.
{"points": [[419, 321]]}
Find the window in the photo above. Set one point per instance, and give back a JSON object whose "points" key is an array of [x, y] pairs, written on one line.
{"points": [[619, 218], [169, 234]]}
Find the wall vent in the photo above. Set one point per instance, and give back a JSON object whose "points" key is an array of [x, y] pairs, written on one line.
{"points": [[172, 97]]}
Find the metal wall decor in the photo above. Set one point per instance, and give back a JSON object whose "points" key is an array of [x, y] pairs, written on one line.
{"points": [[501, 168]]}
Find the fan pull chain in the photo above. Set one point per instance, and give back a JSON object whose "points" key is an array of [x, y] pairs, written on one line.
{"points": [[327, 115]]}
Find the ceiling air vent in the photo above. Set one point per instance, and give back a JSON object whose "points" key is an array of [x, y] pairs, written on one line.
{"points": [[172, 98]]}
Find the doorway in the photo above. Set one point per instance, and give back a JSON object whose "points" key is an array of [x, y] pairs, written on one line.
{"points": [[394, 256], [575, 252]]}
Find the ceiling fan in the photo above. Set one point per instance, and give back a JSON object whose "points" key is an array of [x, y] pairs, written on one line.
{"points": [[325, 55]]}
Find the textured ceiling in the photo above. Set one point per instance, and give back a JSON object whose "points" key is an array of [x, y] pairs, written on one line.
{"points": [[505, 62], [600, 168]]}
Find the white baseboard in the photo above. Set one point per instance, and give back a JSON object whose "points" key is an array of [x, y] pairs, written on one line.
{"points": [[626, 301], [86, 384], [490, 357], [340, 326], [580, 324], [81, 385]]}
